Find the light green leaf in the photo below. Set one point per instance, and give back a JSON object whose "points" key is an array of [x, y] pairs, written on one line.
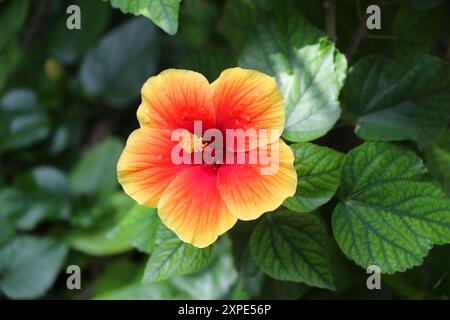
{"points": [[318, 171], [172, 257], [121, 62], [293, 247], [398, 102], [438, 159], [22, 120], [164, 13], [138, 291], [138, 228], [96, 243], [96, 171], [388, 216], [307, 68], [29, 266]]}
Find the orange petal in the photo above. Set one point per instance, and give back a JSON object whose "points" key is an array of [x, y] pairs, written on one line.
{"points": [[175, 99], [192, 207], [248, 193], [248, 99], [145, 167]]}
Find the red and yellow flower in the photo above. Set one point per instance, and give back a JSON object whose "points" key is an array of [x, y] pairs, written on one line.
{"points": [[199, 202]]}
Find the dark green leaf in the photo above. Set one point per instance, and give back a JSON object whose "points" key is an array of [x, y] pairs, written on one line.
{"points": [[198, 19], [12, 205], [123, 59], [293, 247], [425, 4], [68, 45], [238, 19], [44, 193], [9, 59], [318, 171], [96, 173], [397, 102], [416, 31], [22, 120], [388, 217], [12, 19], [164, 13]]}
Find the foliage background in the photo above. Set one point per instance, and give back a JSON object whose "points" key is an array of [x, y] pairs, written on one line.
{"points": [[68, 102]]}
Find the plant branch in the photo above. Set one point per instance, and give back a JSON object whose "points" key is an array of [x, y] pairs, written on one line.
{"points": [[330, 18], [35, 24]]}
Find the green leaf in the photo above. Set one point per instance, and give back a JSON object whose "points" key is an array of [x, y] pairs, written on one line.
{"points": [[113, 277], [124, 58], [138, 228], [282, 290], [318, 171], [388, 216], [251, 276], [23, 121], [199, 20], [9, 59], [138, 291], [164, 13], [115, 284], [209, 283], [239, 18], [416, 31], [91, 236], [11, 202], [308, 70], [398, 102], [96, 173], [210, 61], [293, 247], [425, 4], [173, 257], [44, 193], [438, 159], [69, 45], [29, 266], [96, 243], [12, 19]]}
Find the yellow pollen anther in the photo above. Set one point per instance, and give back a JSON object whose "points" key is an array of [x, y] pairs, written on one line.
{"points": [[191, 143]]}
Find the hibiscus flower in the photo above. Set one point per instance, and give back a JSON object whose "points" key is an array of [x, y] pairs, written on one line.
{"points": [[199, 202]]}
